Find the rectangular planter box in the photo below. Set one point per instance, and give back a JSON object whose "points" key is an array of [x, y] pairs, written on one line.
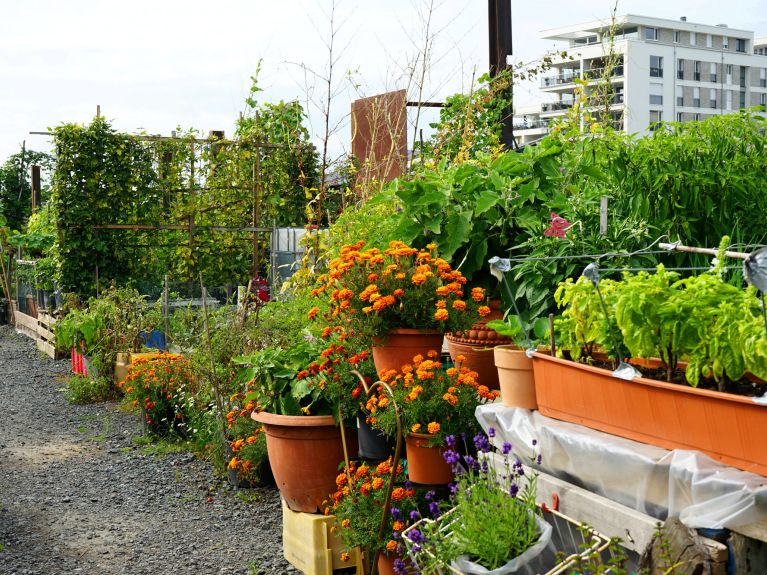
{"points": [[724, 426]]}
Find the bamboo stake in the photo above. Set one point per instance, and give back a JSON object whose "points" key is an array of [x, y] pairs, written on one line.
{"points": [[677, 247], [213, 375]]}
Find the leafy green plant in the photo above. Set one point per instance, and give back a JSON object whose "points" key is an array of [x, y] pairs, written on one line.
{"points": [[514, 327], [81, 389]]}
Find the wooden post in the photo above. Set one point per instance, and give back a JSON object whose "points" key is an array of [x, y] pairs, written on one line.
{"points": [[35, 180], [256, 215], [165, 309], [98, 110], [603, 215]]}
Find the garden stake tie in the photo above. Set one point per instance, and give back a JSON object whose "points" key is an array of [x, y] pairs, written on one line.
{"points": [[369, 389], [624, 370]]}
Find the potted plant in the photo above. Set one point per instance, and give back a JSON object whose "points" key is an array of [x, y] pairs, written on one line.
{"points": [[302, 395], [246, 451], [514, 365], [436, 402], [359, 503], [403, 299], [466, 538], [662, 319]]}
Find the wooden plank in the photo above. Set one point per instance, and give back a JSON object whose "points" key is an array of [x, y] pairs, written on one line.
{"points": [[46, 348], [26, 321], [757, 531]]}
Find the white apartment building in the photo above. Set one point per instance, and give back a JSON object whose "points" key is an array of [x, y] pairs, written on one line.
{"points": [[666, 70]]}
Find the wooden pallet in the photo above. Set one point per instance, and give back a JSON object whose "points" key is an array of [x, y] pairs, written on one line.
{"points": [[39, 329]]}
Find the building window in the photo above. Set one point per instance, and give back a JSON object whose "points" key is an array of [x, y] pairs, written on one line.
{"points": [[679, 96], [677, 36], [729, 74], [656, 117], [692, 38], [696, 97], [709, 41], [650, 33], [696, 72], [742, 100], [696, 117], [763, 78], [712, 72], [726, 42], [656, 94], [740, 44], [743, 70], [763, 99], [656, 66], [680, 69], [712, 98], [679, 117], [728, 101]]}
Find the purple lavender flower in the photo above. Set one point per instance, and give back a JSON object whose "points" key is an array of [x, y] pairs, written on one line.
{"points": [[485, 468], [491, 432], [396, 514], [451, 457], [416, 547], [535, 442], [471, 463], [416, 536], [506, 447], [481, 443], [513, 490], [538, 459], [408, 484], [430, 495], [414, 515], [434, 510], [453, 487], [399, 567], [450, 441]]}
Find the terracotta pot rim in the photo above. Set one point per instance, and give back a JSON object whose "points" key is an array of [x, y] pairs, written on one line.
{"points": [[417, 435], [411, 331], [293, 420], [490, 342], [674, 387]]}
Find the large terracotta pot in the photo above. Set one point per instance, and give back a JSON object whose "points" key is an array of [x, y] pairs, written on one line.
{"points": [[400, 345], [304, 453], [425, 465], [386, 564], [722, 425], [515, 375]]}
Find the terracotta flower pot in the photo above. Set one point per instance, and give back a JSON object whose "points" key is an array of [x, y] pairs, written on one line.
{"points": [[386, 564], [425, 464], [515, 375], [400, 345], [304, 453], [722, 425]]}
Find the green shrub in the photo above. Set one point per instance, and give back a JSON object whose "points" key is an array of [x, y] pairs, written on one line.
{"points": [[81, 389]]}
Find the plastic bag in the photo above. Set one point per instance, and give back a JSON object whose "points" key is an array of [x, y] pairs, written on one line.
{"points": [[516, 565]]}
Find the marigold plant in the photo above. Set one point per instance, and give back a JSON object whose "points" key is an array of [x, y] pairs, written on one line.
{"points": [[163, 387], [434, 399], [247, 443], [372, 291], [358, 505]]}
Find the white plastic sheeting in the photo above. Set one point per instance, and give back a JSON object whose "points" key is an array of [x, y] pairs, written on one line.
{"points": [[702, 492]]}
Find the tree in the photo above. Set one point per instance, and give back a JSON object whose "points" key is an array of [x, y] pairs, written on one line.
{"points": [[15, 187]]}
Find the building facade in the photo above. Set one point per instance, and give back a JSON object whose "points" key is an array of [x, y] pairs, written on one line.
{"points": [[661, 70]]}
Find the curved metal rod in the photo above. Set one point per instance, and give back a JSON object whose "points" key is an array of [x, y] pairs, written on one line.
{"points": [[369, 390]]}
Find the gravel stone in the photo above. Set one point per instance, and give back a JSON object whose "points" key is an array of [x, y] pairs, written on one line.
{"points": [[78, 496]]}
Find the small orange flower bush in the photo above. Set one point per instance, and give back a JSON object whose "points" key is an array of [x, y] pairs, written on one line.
{"points": [[435, 400], [372, 291], [247, 439], [163, 387], [358, 503]]}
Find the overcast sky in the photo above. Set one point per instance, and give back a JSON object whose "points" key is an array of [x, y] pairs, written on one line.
{"points": [[155, 65]]}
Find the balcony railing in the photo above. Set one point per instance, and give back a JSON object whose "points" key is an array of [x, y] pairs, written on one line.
{"points": [[551, 81], [555, 106], [598, 73], [533, 125]]}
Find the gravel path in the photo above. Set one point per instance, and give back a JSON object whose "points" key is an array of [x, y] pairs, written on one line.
{"points": [[78, 496]]}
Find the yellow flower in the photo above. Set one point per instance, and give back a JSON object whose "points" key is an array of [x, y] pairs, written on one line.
{"points": [[415, 427], [441, 315], [345, 523], [484, 310], [433, 427], [345, 557]]}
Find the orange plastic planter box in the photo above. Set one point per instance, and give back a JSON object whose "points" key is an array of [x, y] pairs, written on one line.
{"points": [[727, 427]]}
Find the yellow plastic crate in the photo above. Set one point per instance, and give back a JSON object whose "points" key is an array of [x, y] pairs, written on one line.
{"points": [[309, 545]]}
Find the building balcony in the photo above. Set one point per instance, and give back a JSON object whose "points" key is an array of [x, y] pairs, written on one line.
{"points": [[531, 125], [555, 106], [559, 79]]}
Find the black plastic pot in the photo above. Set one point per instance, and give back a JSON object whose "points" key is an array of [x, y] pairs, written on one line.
{"points": [[374, 445]]}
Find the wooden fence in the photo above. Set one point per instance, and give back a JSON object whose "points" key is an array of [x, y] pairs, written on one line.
{"points": [[40, 329]]}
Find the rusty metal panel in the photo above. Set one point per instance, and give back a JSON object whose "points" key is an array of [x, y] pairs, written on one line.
{"points": [[379, 136]]}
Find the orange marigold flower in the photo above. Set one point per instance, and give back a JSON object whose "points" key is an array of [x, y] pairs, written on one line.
{"points": [[441, 315], [399, 292], [365, 488], [251, 439], [377, 483], [391, 545], [383, 468], [477, 294], [399, 276], [383, 402], [415, 427], [313, 312], [450, 398], [345, 523], [398, 494], [345, 557], [441, 304], [418, 279], [372, 277], [442, 291], [433, 427], [484, 310], [234, 463], [432, 353], [362, 471], [459, 304], [398, 526], [460, 358], [341, 479]]}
